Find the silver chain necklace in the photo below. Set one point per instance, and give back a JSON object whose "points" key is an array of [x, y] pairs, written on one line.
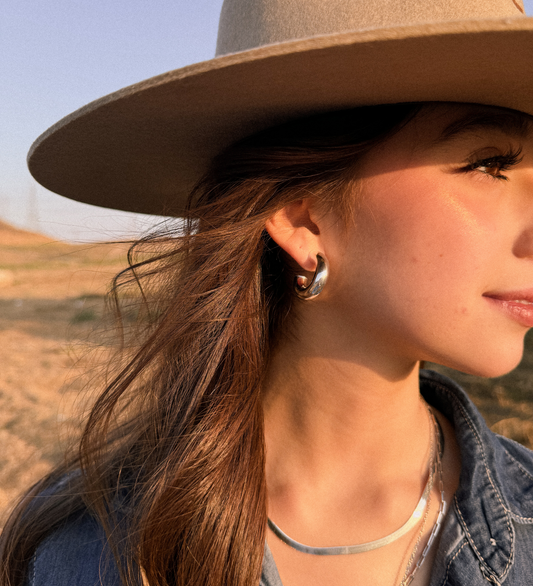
{"points": [[415, 517], [409, 576]]}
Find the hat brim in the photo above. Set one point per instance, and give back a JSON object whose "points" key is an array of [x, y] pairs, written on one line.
{"points": [[144, 147]]}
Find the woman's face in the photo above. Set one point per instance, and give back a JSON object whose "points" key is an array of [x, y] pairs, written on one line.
{"points": [[438, 262]]}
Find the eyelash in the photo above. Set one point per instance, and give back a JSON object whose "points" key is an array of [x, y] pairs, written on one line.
{"points": [[497, 163]]}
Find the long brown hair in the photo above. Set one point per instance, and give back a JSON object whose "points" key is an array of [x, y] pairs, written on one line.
{"points": [[171, 461]]}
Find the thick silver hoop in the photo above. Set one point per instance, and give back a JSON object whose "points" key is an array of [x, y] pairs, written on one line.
{"points": [[305, 291]]}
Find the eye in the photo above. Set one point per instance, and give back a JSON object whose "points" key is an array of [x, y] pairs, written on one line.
{"points": [[494, 165]]}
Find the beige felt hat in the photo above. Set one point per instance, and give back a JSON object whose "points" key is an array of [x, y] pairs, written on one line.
{"points": [[143, 148]]}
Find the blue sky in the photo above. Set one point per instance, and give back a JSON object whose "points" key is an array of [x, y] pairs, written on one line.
{"points": [[57, 55]]}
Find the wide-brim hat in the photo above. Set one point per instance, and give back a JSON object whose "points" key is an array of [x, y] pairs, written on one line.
{"points": [[144, 147]]}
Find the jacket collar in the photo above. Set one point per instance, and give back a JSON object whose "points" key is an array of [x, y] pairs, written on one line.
{"points": [[496, 479]]}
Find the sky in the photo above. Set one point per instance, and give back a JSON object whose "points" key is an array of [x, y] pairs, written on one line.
{"points": [[58, 55]]}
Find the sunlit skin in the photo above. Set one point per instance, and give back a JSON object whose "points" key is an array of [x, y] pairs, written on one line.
{"points": [[437, 265]]}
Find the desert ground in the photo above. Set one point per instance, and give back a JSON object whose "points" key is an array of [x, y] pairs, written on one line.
{"points": [[52, 300]]}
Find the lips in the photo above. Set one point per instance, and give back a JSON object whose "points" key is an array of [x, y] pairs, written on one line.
{"points": [[518, 305]]}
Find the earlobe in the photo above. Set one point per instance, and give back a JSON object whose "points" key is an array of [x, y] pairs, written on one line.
{"points": [[294, 231]]}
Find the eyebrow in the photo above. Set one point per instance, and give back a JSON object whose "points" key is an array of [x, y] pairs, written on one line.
{"points": [[514, 124]]}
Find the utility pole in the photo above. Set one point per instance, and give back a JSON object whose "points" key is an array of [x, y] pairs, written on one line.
{"points": [[32, 219], [4, 207]]}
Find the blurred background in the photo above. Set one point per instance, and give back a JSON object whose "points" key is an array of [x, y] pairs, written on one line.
{"points": [[59, 55]]}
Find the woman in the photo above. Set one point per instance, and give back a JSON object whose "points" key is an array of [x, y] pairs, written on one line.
{"points": [[270, 423]]}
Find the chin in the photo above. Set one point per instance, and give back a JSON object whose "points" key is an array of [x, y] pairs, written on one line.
{"points": [[492, 371], [491, 365]]}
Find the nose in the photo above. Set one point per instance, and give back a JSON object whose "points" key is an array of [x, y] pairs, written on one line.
{"points": [[523, 246]]}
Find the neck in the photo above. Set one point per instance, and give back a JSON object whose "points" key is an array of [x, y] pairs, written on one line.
{"points": [[339, 431], [341, 412]]}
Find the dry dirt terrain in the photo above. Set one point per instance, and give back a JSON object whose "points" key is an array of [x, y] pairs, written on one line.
{"points": [[52, 298]]}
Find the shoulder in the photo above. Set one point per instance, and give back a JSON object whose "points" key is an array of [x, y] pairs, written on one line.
{"points": [[76, 554]]}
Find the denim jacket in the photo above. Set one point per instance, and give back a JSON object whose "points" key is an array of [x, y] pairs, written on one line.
{"points": [[486, 537]]}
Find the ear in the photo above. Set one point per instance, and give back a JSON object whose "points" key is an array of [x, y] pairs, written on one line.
{"points": [[293, 229]]}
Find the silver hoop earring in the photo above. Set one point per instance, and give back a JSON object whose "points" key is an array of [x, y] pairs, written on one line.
{"points": [[305, 291]]}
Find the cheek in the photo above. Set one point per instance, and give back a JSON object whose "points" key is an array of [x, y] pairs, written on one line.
{"points": [[416, 234], [424, 248]]}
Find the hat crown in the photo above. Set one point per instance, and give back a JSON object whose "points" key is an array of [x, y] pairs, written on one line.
{"points": [[247, 24]]}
